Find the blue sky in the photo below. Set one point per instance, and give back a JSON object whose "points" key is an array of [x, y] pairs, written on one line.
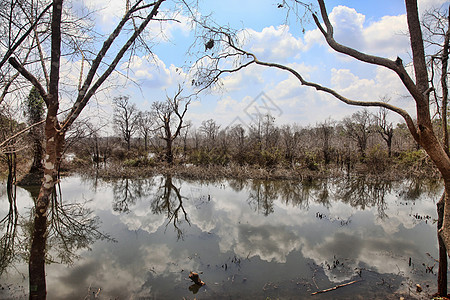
{"points": [[376, 27]]}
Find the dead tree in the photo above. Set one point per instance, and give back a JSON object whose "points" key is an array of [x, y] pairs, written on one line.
{"points": [[169, 116]]}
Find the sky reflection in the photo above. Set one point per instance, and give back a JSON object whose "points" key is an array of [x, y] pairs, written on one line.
{"points": [[249, 239]]}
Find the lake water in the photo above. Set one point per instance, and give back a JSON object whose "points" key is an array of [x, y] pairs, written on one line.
{"points": [[247, 239]]}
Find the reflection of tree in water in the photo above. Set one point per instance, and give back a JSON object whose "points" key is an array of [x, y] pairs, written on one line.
{"points": [[72, 227], [237, 184], [8, 227], [297, 193], [128, 191], [168, 200], [362, 192], [316, 190], [262, 195], [414, 188]]}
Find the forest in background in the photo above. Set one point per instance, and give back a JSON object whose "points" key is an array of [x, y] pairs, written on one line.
{"points": [[363, 143]]}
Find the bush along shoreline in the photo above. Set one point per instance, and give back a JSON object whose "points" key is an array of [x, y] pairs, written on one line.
{"points": [[414, 164]]}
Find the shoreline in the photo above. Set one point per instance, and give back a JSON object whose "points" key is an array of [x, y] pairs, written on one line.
{"points": [[249, 172]]}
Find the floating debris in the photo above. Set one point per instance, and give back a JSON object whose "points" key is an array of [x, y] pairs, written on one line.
{"points": [[196, 278]]}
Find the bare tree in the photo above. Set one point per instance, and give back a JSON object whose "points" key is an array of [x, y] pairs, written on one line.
{"points": [[357, 128], [185, 137], [125, 118], [169, 116], [385, 128], [326, 130], [436, 26], [20, 19], [239, 140], [211, 130], [145, 126], [290, 139]]}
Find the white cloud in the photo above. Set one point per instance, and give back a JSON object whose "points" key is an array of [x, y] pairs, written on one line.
{"points": [[152, 72], [110, 12], [384, 83], [348, 25], [242, 79], [386, 37], [273, 44], [313, 37], [349, 83], [158, 32]]}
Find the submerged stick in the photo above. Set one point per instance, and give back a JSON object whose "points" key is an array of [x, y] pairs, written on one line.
{"points": [[335, 287]]}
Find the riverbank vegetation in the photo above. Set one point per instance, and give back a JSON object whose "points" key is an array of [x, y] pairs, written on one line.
{"points": [[356, 145]]}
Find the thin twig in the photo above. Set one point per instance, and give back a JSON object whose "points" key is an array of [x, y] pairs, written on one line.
{"points": [[335, 287]]}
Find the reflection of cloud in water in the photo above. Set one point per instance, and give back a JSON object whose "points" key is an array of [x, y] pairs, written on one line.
{"points": [[120, 277], [148, 261], [203, 214], [162, 261], [242, 231], [141, 217], [270, 243], [358, 245], [399, 214], [360, 251], [341, 210]]}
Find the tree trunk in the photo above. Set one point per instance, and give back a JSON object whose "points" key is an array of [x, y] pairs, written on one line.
{"points": [[442, 272], [53, 150], [54, 147], [389, 144], [36, 266], [146, 143], [169, 153]]}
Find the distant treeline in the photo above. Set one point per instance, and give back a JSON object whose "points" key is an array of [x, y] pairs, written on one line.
{"points": [[363, 142]]}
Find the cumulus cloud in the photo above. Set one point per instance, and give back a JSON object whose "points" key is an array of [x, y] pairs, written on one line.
{"points": [[109, 12], [242, 79], [164, 31], [273, 44], [152, 72], [348, 25], [386, 37], [384, 83]]}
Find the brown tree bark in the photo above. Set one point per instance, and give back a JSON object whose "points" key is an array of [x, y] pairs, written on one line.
{"points": [[443, 265]]}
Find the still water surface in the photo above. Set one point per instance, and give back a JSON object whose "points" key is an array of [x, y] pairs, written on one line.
{"points": [[248, 240]]}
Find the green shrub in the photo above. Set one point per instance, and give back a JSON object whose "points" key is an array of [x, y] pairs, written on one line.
{"points": [[377, 160], [411, 158], [139, 162], [270, 158], [311, 161]]}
